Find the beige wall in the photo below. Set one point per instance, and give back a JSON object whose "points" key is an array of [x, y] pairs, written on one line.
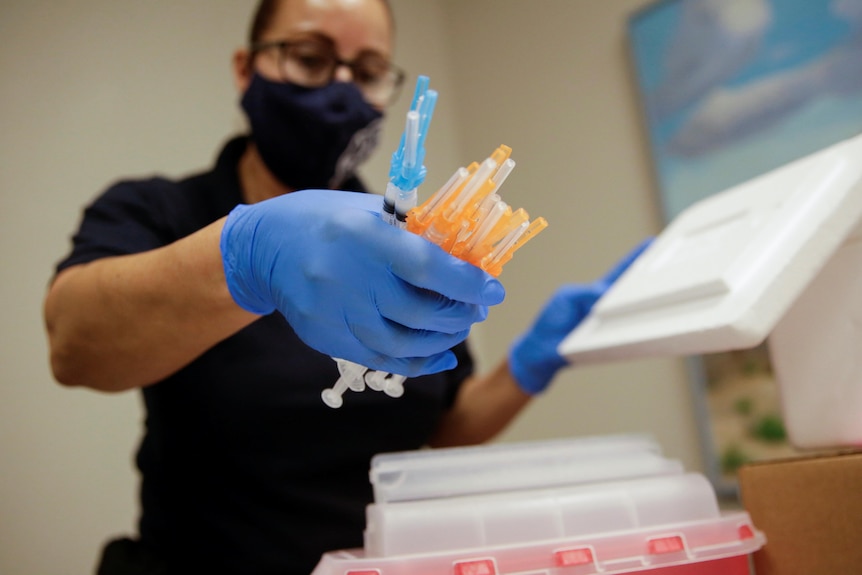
{"points": [[552, 81], [94, 90]]}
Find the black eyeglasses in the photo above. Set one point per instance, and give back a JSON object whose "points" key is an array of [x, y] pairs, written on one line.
{"points": [[312, 61]]}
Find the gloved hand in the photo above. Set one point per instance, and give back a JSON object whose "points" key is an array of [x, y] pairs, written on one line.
{"points": [[351, 286], [533, 357]]}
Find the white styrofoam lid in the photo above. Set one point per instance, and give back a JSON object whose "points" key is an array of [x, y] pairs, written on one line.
{"points": [[725, 270]]}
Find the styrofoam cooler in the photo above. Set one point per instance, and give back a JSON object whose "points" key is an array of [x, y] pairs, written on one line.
{"points": [[778, 256], [653, 518]]}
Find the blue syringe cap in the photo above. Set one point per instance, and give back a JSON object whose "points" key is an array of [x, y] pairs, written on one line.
{"points": [[407, 171], [410, 178]]}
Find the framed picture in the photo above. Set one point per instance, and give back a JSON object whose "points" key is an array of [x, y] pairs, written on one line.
{"points": [[731, 89]]}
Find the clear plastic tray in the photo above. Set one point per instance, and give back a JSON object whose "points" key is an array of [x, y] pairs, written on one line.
{"points": [[572, 506], [512, 517], [718, 546], [434, 473]]}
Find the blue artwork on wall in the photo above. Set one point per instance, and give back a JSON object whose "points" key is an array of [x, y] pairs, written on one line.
{"points": [[734, 88]]}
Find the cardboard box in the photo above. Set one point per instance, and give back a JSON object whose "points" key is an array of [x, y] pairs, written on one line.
{"points": [[810, 509]]}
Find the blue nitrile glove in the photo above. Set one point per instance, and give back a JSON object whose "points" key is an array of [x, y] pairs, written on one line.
{"points": [[351, 286], [533, 357]]}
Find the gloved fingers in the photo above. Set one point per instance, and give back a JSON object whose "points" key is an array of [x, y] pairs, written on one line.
{"points": [[415, 366], [384, 357], [425, 265], [397, 341], [409, 257], [413, 259], [567, 308], [423, 309], [533, 358], [622, 265]]}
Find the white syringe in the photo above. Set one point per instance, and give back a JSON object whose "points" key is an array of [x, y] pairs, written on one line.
{"points": [[406, 173]]}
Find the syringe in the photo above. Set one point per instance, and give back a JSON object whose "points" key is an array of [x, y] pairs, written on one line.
{"points": [[406, 173], [407, 170], [467, 218]]}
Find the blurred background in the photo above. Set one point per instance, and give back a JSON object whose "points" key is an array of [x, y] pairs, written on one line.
{"points": [[98, 90]]}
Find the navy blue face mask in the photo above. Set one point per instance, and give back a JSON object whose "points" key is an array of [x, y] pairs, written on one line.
{"points": [[311, 137]]}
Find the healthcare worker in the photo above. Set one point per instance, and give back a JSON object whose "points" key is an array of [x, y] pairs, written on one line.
{"points": [[225, 295]]}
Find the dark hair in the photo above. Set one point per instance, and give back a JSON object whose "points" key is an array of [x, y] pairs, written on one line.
{"points": [[263, 17], [265, 13]]}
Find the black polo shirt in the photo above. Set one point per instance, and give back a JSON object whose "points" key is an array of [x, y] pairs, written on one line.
{"points": [[244, 469]]}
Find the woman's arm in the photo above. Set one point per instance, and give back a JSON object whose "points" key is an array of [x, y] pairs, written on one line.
{"points": [[128, 321], [348, 284], [484, 406]]}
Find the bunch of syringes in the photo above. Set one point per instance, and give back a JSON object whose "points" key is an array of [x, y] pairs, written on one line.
{"points": [[466, 217]]}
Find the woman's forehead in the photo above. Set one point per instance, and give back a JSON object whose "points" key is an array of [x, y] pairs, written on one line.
{"points": [[354, 25]]}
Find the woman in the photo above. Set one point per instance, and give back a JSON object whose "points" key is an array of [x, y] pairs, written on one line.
{"points": [[225, 295]]}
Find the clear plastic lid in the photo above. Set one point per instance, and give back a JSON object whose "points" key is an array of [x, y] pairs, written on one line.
{"points": [[436, 473]]}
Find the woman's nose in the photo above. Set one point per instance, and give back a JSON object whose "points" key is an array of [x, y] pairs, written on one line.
{"points": [[343, 73]]}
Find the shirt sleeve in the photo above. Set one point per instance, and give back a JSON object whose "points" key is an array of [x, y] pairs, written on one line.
{"points": [[125, 219]]}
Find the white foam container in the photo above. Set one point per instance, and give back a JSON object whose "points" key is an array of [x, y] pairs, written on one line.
{"points": [[777, 255]]}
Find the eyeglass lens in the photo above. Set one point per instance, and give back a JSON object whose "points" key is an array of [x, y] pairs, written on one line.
{"points": [[312, 63]]}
